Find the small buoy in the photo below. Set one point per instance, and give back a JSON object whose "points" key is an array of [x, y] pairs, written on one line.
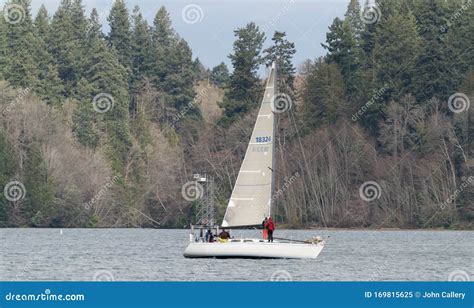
{"points": [[61, 231]]}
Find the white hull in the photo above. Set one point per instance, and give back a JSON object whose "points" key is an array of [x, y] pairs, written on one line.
{"points": [[253, 249]]}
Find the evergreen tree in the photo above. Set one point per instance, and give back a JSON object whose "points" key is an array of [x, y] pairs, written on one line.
{"points": [[368, 72], [172, 71], [79, 20], [458, 40], [220, 75], [163, 33], [84, 117], [396, 39], [367, 36], [142, 48], [179, 83], [20, 66], [42, 23], [66, 42], [282, 53], [49, 87], [7, 173], [120, 33], [244, 88], [200, 72], [352, 18], [94, 29], [107, 76], [39, 188], [344, 49], [3, 47], [435, 67], [164, 43], [323, 98]]}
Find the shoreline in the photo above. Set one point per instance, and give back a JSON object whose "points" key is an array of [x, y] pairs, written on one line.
{"points": [[285, 229]]}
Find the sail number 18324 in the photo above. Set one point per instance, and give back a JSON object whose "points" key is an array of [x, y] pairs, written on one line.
{"points": [[263, 139]]}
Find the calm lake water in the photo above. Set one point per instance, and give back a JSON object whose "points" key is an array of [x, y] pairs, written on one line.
{"points": [[146, 254]]}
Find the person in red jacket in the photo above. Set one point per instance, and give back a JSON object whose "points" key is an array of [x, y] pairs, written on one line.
{"points": [[270, 226]]}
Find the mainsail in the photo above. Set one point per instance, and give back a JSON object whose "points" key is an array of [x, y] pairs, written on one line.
{"points": [[251, 197]]}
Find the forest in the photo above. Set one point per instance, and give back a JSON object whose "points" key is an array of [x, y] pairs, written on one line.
{"points": [[104, 129]]}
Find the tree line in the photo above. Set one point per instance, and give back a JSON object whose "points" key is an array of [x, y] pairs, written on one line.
{"points": [[103, 130]]}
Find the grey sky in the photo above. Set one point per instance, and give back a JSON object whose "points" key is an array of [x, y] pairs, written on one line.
{"points": [[211, 36]]}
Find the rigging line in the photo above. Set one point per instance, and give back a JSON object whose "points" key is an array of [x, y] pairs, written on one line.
{"points": [[307, 168], [146, 216]]}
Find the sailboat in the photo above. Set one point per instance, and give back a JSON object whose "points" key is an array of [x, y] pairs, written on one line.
{"points": [[252, 197]]}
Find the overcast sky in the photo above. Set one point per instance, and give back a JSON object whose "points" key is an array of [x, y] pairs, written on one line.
{"points": [[208, 25]]}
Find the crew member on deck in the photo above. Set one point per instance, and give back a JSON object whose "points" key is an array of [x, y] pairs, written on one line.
{"points": [[209, 237], [224, 235], [270, 226], [264, 227]]}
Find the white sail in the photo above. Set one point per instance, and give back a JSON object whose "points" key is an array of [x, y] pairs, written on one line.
{"points": [[251, 197]]}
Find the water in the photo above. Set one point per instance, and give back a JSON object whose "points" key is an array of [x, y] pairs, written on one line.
{"points": [[146, 254]]}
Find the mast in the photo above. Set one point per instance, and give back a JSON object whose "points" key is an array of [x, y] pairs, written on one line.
{"points": [[275, 84]]}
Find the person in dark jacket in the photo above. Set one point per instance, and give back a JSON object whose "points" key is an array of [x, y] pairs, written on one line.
{"points": [[264, 227], [224, 235], [209, 236], [270, 226]]}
